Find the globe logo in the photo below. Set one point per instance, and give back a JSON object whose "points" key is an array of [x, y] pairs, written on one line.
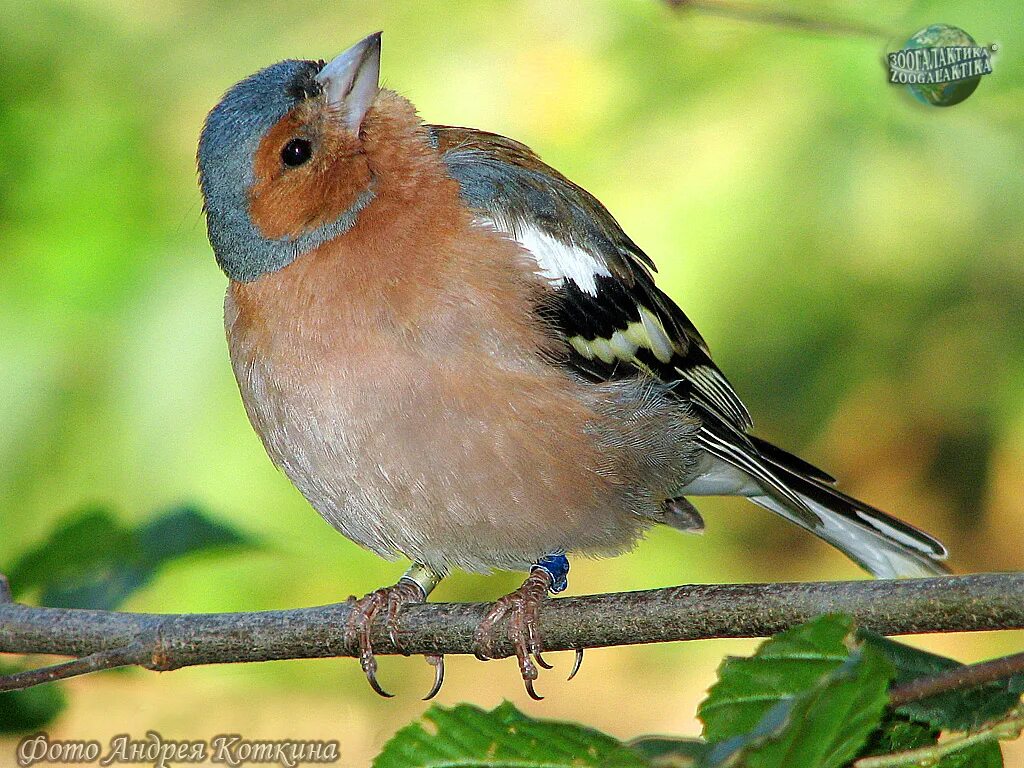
{"points": [[941, 65]]}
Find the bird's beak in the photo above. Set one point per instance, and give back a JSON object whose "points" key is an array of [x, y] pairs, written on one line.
{"points": [[350, 80]]}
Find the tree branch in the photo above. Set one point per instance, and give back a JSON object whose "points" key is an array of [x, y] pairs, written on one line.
{"points": [[102, 639], [761, 14], [967, 676], [133, 654]]}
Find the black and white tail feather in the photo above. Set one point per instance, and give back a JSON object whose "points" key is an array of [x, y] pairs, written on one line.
{"points": [[880, 543], [618, 324]]}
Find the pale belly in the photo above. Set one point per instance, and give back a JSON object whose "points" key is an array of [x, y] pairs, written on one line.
{"points": [[490, 470]]}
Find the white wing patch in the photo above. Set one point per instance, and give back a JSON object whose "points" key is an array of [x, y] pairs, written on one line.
{"points": [[556, 261]]}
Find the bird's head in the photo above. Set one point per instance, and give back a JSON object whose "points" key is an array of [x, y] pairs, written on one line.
{"points": [[282, 165]]}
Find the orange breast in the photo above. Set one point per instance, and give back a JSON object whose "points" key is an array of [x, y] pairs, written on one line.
{"points": [[397, 376]]}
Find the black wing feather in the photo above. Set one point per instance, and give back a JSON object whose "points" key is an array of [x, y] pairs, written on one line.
{"points": [[504, 180]]}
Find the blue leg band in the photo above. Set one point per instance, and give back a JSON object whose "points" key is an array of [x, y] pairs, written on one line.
{"points": [[557, 567]]}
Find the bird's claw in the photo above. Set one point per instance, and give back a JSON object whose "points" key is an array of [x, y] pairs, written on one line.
{"points": [[531, 691], [437, 661], [523, 610], [576, 664], [369, 664], [358, 628]]}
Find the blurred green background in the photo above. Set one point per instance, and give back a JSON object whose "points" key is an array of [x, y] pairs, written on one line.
{"points": [[853, 257]]}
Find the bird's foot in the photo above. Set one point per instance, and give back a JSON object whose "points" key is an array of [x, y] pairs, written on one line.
{"points": [[389, 601], [523, 610]]}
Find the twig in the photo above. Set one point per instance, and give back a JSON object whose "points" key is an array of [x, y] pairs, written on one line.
{"points": [[764, 15], [5, 591], [968, 676], [1005, 729], [163, 642], [94, 662]]}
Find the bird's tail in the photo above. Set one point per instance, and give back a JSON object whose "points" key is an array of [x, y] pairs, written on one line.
{"points": [[878, 542], [803, 494]]}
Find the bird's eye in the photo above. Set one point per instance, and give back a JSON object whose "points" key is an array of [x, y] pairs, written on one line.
{"points": [[296, 152]]}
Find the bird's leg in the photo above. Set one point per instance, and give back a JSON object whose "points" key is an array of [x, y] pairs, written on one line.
{"points": [[418, 582], [523, 610]]}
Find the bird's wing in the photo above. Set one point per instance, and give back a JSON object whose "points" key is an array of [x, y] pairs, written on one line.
{"points": [[612, 314], [617, 322]]}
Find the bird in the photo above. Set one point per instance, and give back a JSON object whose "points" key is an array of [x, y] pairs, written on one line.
{"points": [[458, 356]]}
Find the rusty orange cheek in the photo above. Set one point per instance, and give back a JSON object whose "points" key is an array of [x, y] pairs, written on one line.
{"points": [[285, 202]]}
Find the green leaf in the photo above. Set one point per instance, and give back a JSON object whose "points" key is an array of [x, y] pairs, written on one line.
{"points": [[985, 755], [784, 665], [465, 736], [962, 710], [668, 752], [82, 546], [186, 531], [824, 726], [30, 709], [898, 733], [91, 560]]}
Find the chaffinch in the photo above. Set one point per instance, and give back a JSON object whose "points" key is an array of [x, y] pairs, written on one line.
{"points": [[458, 356]]}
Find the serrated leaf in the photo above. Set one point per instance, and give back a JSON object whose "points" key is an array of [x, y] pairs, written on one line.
{"points": [[466, 736], [987, 754], [824, 726], [961, 710], [897, 733], [668, 752], [784, 665], [900, 734]]}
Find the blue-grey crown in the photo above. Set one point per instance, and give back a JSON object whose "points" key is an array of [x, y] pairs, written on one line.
{"points": [[227, 146]]}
